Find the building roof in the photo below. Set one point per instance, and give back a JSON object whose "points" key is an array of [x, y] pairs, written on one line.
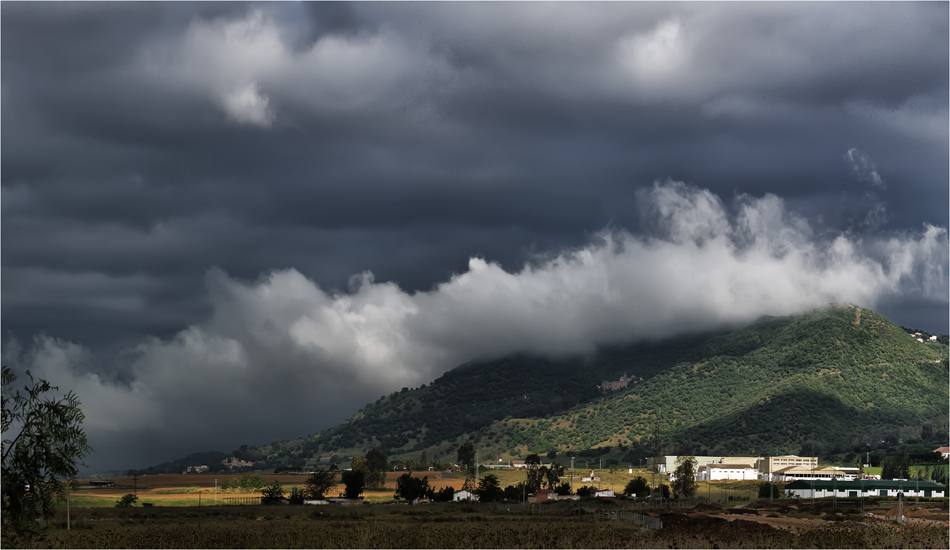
{"points": [[731, 466], [867, 484], [942, 450], [805, 469]]}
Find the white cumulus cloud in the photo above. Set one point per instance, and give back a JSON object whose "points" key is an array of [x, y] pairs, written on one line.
{"points": [[701, 264]]}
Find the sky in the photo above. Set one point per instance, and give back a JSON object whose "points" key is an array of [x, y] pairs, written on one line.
{"points": [[232, 223]]}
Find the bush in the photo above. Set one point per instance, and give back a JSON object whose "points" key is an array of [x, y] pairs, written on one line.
{"points": [[272, 493], [586, 491], [128, 500]]}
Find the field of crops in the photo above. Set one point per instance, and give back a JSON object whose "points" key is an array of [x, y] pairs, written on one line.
{"points": [[481, 526]]}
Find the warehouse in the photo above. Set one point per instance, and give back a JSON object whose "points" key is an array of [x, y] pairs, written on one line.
{"points": [[820, 489]]}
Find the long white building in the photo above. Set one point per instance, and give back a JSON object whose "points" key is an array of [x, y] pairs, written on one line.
{"points": [[842, 489]]}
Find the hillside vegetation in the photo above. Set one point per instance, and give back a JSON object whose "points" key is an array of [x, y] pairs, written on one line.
{"points": [[826, 381]]}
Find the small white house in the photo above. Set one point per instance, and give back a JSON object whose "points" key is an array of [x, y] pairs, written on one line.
{"points": [[933, 337], [464, 495], [604, 494]]}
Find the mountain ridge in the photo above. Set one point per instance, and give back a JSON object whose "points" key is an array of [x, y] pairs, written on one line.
{"points": [[832, 380]]}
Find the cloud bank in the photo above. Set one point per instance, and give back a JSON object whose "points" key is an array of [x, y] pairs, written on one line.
{"points": [[698, 264]]}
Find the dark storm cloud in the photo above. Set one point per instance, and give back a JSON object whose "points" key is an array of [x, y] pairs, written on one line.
{"points": [[286, 148]]}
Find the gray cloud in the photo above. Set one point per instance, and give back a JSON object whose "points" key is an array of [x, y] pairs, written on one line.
{"points": [[145, 144]]}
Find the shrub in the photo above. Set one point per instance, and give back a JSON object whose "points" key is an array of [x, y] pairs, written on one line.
{"points": [[128, 500]]}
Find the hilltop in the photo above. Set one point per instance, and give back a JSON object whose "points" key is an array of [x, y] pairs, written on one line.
{"points": [[826, 382]]}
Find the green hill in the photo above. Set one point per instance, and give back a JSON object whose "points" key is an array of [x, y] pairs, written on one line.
{"points": [[833, 379]]}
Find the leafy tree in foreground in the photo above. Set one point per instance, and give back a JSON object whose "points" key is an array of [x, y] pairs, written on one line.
{"points": [[685, 474], [586, 491], [515, 493], [272, 493], [374, 468], [318, 484], [46, 446], [353, 482], [637, 486], [489, 490], [552, 475], [410, 488], [128, 500], [445, 494], [466, 457], [534, 475]]}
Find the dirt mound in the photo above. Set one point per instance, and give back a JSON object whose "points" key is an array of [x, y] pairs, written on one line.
{"points": [[759, 504], [707, 508], [683, 520], [742, 511]]}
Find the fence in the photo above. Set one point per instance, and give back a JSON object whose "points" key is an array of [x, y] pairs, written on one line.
{"points": [[242, 501]]}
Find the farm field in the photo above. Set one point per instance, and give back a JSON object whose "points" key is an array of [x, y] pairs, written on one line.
{"points": [[183, 490], [784, 524]]}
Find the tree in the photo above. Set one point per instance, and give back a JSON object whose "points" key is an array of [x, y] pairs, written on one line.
{"points": [[46, 446], [252, 481], [445, 494], [489, 489], [410, 488], [272, 493], [637, 487], [552, 475], [685, 475], [534, 476], [766, 488], [353, 482], [515, 493], [466, 457], [318, 484], [586, 491], [563, 489], [128, 500], [896, 467], [373, 467]]}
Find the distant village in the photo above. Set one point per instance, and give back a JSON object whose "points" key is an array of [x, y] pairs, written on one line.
{"points": [[802, 477]]}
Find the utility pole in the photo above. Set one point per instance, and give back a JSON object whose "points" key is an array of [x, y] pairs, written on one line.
{"points": [[572, 475], [656, 455], [215, 492], [135, 480], [900, 502]]}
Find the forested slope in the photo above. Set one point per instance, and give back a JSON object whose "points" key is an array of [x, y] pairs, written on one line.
{"points": [[825, 379]]}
